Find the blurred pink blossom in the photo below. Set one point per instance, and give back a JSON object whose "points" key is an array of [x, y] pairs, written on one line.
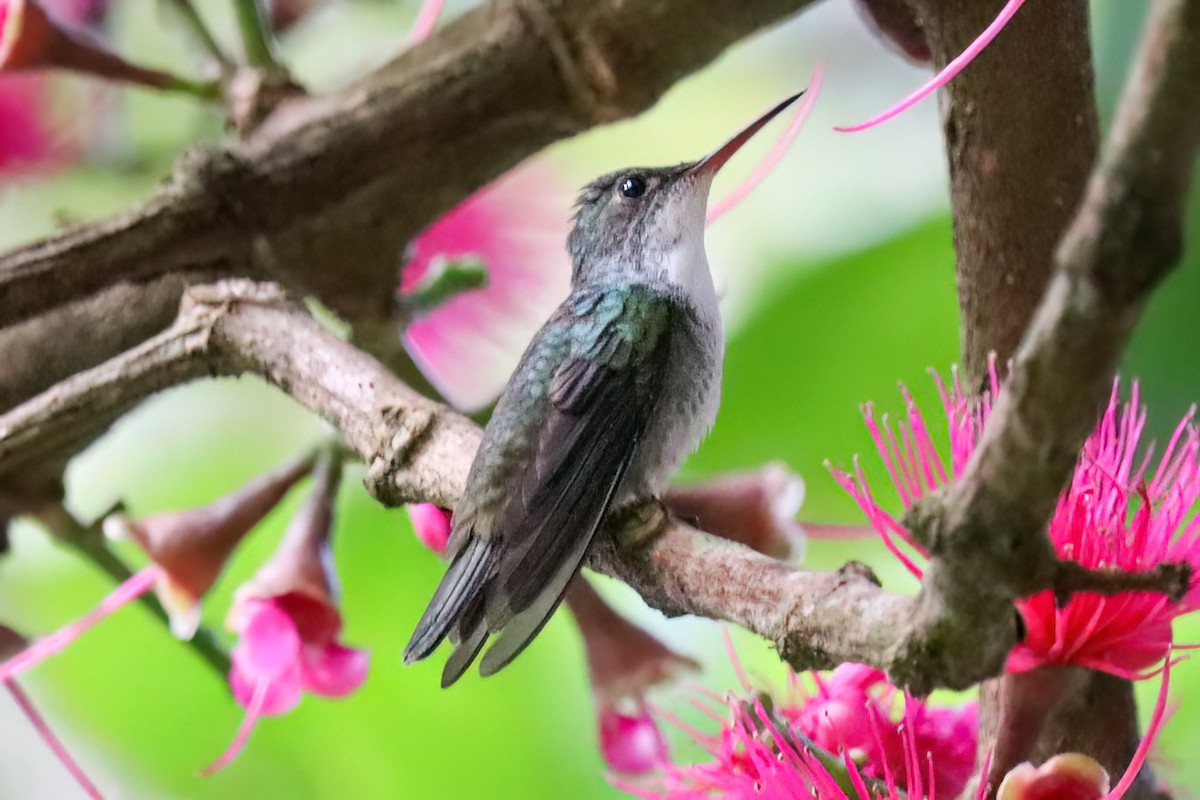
{"points": [[1115, 513], [34, 134], [516, 229], [631, 744], [624, 663], [1070, 776], [288, 623], [431, 524]]}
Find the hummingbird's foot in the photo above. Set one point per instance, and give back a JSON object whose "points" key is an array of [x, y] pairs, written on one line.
{"points": [[639, 522]]}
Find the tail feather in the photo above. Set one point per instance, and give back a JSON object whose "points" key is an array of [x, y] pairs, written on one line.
{"points": [[528, 623], [461, 587], [465, 652]]}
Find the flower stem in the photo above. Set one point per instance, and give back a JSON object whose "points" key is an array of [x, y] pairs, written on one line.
{"points": [[201, 34], [256, 40], [89, 543]]}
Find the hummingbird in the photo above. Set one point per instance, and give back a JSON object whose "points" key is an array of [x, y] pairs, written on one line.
{"points": [[616, 389]]}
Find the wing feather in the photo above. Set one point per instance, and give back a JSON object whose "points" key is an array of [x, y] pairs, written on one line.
{"points": [[599, 403]]}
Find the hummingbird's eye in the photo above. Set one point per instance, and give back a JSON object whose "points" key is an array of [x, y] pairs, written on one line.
{"points": [[632, 187]]}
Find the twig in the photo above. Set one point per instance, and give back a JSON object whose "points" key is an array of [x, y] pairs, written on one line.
{"points": [[202, 35], [256, 38], [89, 543]]}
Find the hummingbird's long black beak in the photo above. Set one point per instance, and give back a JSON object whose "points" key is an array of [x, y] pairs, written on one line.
{"points": [[716, 159]]}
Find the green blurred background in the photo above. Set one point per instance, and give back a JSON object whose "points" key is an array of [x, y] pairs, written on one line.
{"points": [[838, 283]]}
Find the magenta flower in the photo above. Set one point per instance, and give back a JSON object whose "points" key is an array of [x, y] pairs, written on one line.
{"points": [[624, 663], [847, 741], [631, 744], [1070, 776], [32, 135], [188, 550], [512, 232], [1115, 513], [852, 709], [813, 743], [288, 623]]}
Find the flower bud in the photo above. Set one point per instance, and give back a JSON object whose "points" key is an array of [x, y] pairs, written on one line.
{"points": [[191, 547], [1069, 776], [757, 509]]}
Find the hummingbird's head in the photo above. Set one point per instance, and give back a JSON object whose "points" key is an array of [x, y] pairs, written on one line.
{"points": [[649, 218]]}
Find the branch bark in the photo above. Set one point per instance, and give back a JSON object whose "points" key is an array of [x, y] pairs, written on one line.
{"points": [[327, 191], [419, 450]]}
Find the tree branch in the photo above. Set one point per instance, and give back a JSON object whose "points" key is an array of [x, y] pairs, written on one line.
{"points": [[328, 191], [417, 449]]}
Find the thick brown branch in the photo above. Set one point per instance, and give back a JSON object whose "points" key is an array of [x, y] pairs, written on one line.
{"points": [[1021, 138], [417, 449], [329, 190]]}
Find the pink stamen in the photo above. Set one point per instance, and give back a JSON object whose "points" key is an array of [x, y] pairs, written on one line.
{"points": [[253, 714], [948, 72], [738, 669], [426, 21], [52, 741], [1156, 721], [982, 790], [133, 588], [777, 152]]}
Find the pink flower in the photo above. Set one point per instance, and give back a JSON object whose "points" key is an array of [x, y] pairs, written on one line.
{"points": [[431, 524], [188, 550], [845, 741], [515, 230], [1115, 513], [32, 135], [814, 744], [631, 744], [288, 624], [624, 663], [851, 711], [288, 645]]}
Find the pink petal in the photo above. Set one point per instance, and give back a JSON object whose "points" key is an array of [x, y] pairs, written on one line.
{"points": [[948, 72], [516, 226], [269, 644], [631, 744], [431, 524], [334, 670], [282, 691], [39, 723]]}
